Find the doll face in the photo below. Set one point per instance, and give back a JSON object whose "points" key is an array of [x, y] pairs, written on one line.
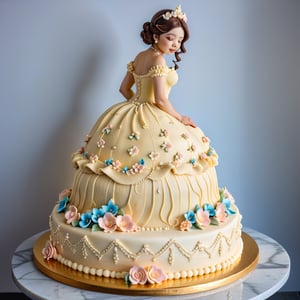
{"points": [[170, 42]]}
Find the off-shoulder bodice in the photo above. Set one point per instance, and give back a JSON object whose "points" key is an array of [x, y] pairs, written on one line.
{"points": [[144, 83]]}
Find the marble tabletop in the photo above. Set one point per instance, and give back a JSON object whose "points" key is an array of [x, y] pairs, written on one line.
{"points": [[270, 274]]}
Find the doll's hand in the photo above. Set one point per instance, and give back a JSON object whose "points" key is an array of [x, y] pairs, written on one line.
{"points": [[187, 121]]}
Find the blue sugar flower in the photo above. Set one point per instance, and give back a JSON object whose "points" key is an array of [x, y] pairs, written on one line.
{"points": [[110, 207], [190, 216], [210, 151], [210, 209], [193, 161], [227, 203], [125, 169], [142, 162], [62, 204], [97, 213], [85, 220], [109, 162]]}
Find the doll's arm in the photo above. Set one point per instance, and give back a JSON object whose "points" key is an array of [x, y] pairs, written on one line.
{"points": [[162, 101], [126, 85]]}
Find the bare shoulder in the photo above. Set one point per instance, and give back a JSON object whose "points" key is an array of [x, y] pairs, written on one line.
{"points": [[147, 59], [159, 60]]}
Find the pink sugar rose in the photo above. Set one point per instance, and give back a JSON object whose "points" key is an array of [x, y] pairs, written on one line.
{"points": [[64, 193], [72, 214], [221, 212], [155, 275], [137, 275], [108, 222], [125, 223], [202, 217], [49, 251]]}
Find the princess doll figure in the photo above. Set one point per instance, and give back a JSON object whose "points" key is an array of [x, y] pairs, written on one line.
{"points": [[155, 163]]}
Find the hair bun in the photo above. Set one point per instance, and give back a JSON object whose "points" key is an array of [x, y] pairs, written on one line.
{"points": [[146, 34]]}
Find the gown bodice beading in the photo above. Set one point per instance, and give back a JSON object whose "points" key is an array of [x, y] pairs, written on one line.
{"points": [[144, 83]]}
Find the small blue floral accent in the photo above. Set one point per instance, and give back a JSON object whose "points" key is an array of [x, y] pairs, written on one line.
{"points": [[97, 213], [110, 207], [142, 162], [227, 204], [62, 205], [125, 169], [210, 209], [210, 151], [190, 216], [85, 154], [134, 136], [109, 162], [193, 161], [85, 219]]}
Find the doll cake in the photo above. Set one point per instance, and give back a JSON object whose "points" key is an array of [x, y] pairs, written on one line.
{"points": [[145, 205]]}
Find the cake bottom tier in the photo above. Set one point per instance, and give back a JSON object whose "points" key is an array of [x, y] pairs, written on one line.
{"points": [[179, 254]]}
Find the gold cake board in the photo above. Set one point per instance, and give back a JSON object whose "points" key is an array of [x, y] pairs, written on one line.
{"points": [[67, 275]]}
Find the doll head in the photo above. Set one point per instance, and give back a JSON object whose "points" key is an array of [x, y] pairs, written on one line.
{"points": [[162, 22]]}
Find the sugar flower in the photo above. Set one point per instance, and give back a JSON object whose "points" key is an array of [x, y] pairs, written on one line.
{"points": [[164, 132], [101, 143], [221, 212], [134, 135], [202, 218], [85, 219], [136, 168], [203, 155], [192, 148], [109, 162], [116, 164], [125, 170], [134, 150], [185, 135], [227, 199], [185, 225], [108, 222], [110, 207], [62, 205], [193, 161], [94, 158], [49, 251], [153, 155], [210, 209], [64, 193], [155, 275], [205, 139], [97, 213], [137, 275], [107, 129], [190, 216], [125, 223], [227, 195], [166, 146], [72, 215]]}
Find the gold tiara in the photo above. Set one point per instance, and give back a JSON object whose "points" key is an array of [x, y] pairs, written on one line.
{"points": [[176, 13]]}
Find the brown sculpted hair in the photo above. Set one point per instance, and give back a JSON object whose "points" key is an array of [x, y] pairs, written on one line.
{"points": [[159, 25]]}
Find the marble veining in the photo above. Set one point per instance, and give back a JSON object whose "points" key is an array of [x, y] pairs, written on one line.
{"points": [[268, 277]]}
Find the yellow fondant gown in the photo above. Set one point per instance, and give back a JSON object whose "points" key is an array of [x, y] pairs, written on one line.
{"points": [[149, 163]]}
